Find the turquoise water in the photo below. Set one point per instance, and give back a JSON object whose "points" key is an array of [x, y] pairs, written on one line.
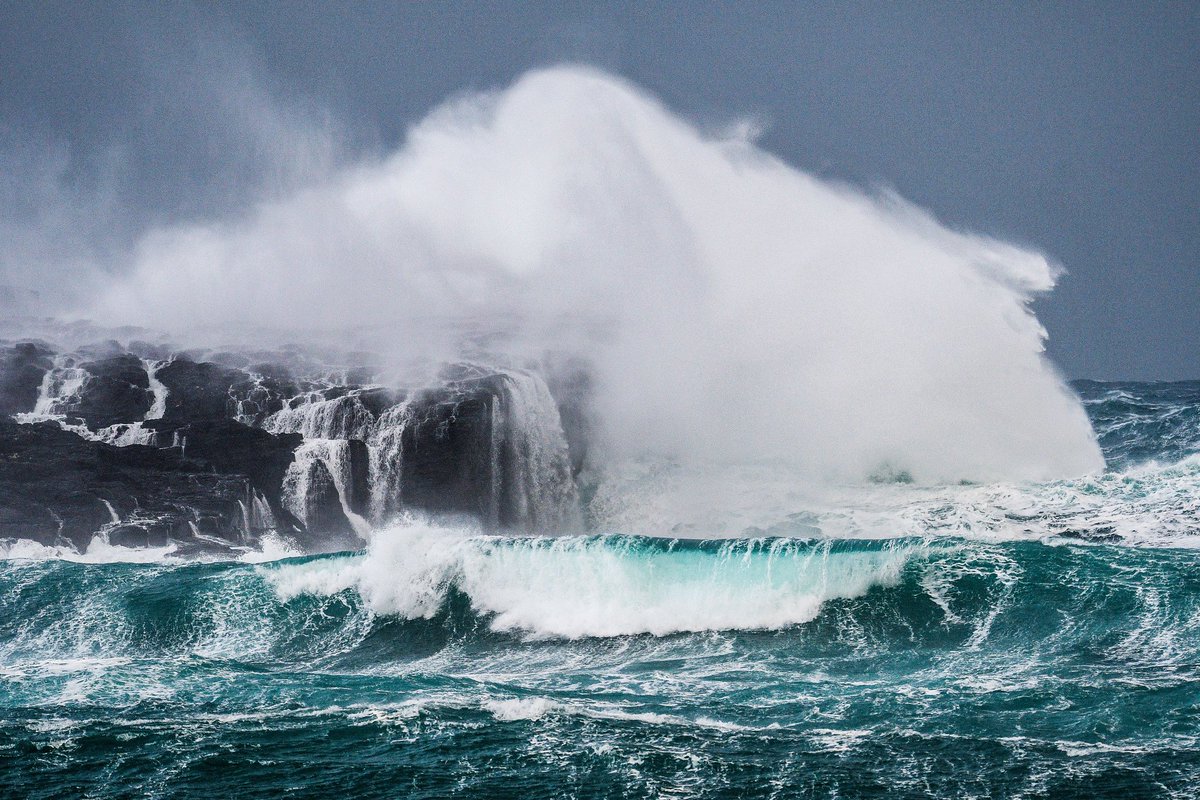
{"points": [[1049, 653]]}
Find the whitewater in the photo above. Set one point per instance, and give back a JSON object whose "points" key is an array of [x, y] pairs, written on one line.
{"points": [[841, 529], [729, 306], [892, 639]]}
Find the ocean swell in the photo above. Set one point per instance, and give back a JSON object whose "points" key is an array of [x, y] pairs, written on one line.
{"points": [[574, 587]]}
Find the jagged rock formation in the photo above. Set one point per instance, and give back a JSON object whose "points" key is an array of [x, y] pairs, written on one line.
{"points": [[320, 502], [224, 450], [489, 446]]}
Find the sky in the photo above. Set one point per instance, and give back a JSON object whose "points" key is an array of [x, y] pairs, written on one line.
{"points": [[1073, 128]]}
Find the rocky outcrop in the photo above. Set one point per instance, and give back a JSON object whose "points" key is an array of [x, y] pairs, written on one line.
{"points": [[229, 446], [22, 367], [359, 485], [491, 447], [117, 390], [449, 465], [198, 391], [207, 448], [57, 488], [322, 506]]}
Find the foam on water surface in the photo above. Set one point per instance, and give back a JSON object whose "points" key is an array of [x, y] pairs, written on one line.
{"points": [[598, 586]]}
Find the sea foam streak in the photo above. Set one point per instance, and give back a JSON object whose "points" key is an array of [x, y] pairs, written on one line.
{"points": [[733, 307]]}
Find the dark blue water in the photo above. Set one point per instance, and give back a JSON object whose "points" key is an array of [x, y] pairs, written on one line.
{"points": [[1033, 641]]}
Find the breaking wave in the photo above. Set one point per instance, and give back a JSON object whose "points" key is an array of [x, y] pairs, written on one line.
{"points": [[732, 307], [877, 664], [574, 587], [420, 586]]}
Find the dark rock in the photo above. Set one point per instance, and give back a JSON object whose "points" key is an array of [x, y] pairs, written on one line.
{"points": [[359, 489], [324, 518], [257, 396], [139, 536], [469, 451], [198, 390], [57, 488], [378, 400], [232, 447], [449, 465], [117, 390], [22, 367], [337, 392], [486, 445]]}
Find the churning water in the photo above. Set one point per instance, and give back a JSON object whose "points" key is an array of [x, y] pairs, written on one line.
{"points": [[1019, 640]]}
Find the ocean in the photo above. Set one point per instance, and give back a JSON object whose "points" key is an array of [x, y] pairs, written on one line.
{"points": [[1032, 640]]}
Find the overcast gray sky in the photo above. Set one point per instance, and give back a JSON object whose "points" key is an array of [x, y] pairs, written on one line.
{"points": [[1072, 127]]}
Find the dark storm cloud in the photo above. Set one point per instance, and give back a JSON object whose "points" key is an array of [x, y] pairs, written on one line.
{"points": [[1071, 127]]}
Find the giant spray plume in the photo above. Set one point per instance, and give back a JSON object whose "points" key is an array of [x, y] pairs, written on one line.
{"points": [[733, 308]]}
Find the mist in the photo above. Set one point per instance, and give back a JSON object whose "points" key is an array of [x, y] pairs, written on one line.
{"points": [[733, 308]]}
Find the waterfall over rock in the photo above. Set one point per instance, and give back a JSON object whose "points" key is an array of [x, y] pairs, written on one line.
{"points": [[488, 445], [516, 473], [307, 453]]}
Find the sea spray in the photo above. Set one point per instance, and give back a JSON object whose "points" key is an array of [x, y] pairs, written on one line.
{"points": [[732, 307]]}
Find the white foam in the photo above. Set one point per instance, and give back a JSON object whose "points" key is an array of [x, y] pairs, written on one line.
{"points": [[574, 587], [158, 389], [733, 307], [27, 550], [334, 454], [1147, 505], [271, 547], [98, 551], [59, 389], [520, 708]]}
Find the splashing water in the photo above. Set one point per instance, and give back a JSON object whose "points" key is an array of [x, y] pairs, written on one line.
{"points": [[893, 639], [734, 308], [748, 616]]}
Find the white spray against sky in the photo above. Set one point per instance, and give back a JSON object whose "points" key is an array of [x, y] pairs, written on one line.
{"points": [[734, 308]]}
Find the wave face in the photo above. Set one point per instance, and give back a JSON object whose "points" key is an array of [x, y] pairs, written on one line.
{"points": [[733, 307], [523, 668], [575, 587]]}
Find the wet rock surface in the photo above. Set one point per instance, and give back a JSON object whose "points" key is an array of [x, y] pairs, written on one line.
{"points": [[148, 447], [58, 488], [116, 390], [22, 367]]}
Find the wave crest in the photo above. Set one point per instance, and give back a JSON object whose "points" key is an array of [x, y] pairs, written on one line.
{"points": [[574, 587]]}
